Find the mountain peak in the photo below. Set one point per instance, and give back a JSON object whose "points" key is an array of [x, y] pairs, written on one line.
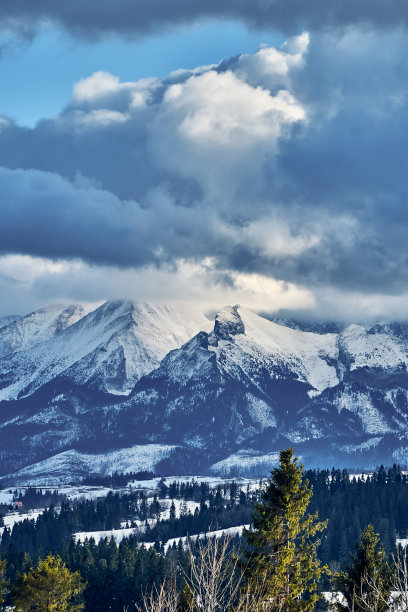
{"points": [[228, 323]]}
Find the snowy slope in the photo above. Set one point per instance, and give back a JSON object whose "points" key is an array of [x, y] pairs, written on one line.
{"points": [[283, 351], [110, 348], [73, 465], [372, 349], [22, 333], [6, 320]]}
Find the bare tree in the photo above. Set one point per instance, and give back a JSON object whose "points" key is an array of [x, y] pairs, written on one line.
{"points": [[400, 587], [215, 582], [214, 577], [163, 598]]}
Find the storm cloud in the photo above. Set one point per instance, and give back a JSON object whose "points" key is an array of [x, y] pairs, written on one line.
{"points": [[93, 19]]}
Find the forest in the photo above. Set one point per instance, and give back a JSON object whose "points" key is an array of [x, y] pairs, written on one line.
{"points": [[119, 575]]}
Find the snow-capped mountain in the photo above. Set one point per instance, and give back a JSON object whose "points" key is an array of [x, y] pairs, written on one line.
{"points": [[22, 333], [108, 349], [224, 400]]}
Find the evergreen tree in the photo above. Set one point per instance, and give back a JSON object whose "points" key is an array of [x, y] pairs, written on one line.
{"points": [[50, 587], [367, 582], [281, 559]]}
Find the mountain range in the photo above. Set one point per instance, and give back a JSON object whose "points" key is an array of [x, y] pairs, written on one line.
{"points": [[129, 386]]}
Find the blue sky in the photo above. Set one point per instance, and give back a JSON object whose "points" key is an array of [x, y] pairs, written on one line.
{"points": [[271, 171]]}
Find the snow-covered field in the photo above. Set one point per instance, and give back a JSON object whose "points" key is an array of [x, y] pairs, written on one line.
{"points": [[119, 534], [6, 497], [16, 517], [213, 481]]}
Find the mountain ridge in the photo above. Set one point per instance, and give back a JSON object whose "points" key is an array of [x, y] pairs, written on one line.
{"points": [[246, 388]]}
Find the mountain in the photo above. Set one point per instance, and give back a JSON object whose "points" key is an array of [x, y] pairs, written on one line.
{"points": [[6, 320], [22, 333], [107, 349], [222, 401]]}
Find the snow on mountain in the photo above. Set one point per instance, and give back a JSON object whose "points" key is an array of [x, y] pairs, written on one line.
{"points": [[245, 344], [283, 351], [361, 404], [22, 333], [73, 465], [222, 399], [110, 348], [371, 349], [6, 320], [245, 461]]}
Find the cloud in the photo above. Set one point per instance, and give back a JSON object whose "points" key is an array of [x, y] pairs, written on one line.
{"points": [[216, 128], [197, 283], [92, 19], [286, 166]]}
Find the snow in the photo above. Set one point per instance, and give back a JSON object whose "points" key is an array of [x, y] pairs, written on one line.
{"points": [[118, 342], [119, 534], [180, 507], [8, 319], [370, 443], [402, 542], [116, 534], [360, 403], [372, 350], [16, 517], [246, 460], [63, 468], [6, 497], [219, 533], [260, 412], [306, 355], [22, 333]]}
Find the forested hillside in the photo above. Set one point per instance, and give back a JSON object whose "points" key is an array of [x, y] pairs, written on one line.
{"points": [[120, 570]]}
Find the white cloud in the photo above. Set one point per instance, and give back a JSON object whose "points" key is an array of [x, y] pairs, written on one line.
{"points": [[272, 67], [104, 91], [96, 86], [217, 129], [196, 282]]}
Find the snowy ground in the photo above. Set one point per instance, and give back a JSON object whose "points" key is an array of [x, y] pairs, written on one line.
{"points": [[120, 534], [213, 481], [6, 496], [17, 517], [148, 486]]}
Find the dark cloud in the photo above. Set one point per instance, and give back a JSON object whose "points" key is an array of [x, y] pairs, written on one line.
{"points": [[92, 19], [44, 215]]}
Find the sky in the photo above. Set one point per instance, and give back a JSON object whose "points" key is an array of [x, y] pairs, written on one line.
{"points": [[218, 152]]}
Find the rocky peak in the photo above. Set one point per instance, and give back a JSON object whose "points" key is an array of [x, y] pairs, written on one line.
{"points": [[228, 323]]}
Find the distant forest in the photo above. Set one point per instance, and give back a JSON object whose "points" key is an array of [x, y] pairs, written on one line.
{"points": [[119, 574]]}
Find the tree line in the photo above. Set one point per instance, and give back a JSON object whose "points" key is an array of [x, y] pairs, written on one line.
{"points": [[283, 563]]}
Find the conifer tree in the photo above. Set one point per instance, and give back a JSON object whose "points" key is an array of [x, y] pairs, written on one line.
{"points": [[50, 587], [281, 557], [367, 582]]}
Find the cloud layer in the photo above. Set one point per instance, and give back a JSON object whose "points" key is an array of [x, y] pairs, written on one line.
{"points": [[287, 167], [92, 19]]}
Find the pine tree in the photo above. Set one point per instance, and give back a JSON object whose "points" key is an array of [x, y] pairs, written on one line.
{"points": [[50, 587], [281, 559], [367, 582]]}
